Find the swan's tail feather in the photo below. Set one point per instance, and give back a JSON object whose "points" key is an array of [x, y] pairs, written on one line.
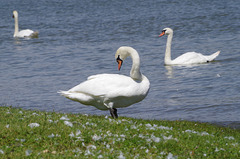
{"points": [[63, 93], [79, 97], [213, 56], [67, 94]]}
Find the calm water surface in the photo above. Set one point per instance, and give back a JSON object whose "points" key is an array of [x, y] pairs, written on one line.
{"points": [[79, 38]]}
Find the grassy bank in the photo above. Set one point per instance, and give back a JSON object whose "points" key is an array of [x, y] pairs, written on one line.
{"points": [[39, 134]]}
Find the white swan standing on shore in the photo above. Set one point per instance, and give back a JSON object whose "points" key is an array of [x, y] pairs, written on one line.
{"points": [[23, 33], [187, 58], [111, 91]]}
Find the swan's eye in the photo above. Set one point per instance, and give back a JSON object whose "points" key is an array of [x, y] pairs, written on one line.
{"points": [[118, 58]]}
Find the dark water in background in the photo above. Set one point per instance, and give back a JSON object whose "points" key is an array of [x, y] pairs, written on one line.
{"points": [[79, 38]]}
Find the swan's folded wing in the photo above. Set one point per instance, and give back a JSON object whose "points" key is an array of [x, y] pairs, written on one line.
{"points": [[190, 58], [102, 84], [25, 33]]}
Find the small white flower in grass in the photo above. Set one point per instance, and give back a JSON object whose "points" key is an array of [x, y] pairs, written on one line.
{"points": [[142, 147], [141, 136], [78, 132], [106, 117], [50, 121], [1, 151], [92, 124], [28, 152], [170, 156], [137, 156], [150, 127], [198, 133], [107, 146], [91, 147], [123, 136], [133, 127], [68, 123], [147, 151], [204, 133], [109, 133], [229, 138], [204, 155], [121, 156], [32, 125], [100, 156], [77, 150], [51, 136], [191, 131], [7, 126], [84, 126], [87, 152], [20, 112], [71, 135], [162, 153], [64, 118], [155, 139], [22, 140], [235, 144], [165, 128], [118, 139], [167, 138], [34, 114], [96, 137], [221, 149]]}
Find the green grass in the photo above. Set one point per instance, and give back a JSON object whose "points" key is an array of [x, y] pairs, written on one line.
{"points": [[103, 137]]}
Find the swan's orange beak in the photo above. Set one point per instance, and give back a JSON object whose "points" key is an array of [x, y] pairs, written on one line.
{"points": [[163, 33], [119, 61]]}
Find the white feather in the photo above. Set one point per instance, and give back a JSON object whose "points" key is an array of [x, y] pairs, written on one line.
{"points": [[22, 33], [186, 58], [105, 91]]}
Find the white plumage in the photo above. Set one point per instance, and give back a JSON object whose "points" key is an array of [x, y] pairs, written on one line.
{"points": [[111, 91], [23, 33], [187, 58]]}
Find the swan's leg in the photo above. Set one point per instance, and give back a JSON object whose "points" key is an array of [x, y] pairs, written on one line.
{"points": [[113, 112]]}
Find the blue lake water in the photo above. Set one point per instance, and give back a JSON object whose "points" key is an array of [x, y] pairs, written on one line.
{"points": [[79, 38]]}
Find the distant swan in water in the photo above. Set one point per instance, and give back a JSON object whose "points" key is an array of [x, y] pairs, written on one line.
{"points": [[111, 91], [23, 33], [186, 58]]}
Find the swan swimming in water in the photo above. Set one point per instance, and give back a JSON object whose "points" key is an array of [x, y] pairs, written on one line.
{"points": [[111, 91], [187, 58], [23, 33]]}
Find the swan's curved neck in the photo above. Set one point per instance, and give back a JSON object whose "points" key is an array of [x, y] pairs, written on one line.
{"points": [[16, 26], [135, 71], [167, 58]]}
